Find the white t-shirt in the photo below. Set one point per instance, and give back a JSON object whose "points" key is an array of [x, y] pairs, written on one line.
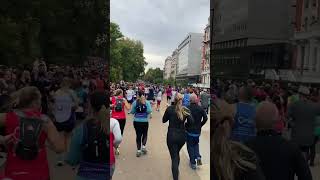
{"points": [[115, 129], [146, 90], [173, 95], [159, 96], [130, 94]]}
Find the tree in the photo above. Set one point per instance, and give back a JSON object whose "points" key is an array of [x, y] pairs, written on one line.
{"points": [[58, 30], [127, 60], [154, 75]]}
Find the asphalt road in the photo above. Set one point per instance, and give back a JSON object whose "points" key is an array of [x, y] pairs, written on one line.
{"points": [[157, 164]]}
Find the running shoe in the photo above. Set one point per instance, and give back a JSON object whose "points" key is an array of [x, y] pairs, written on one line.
{"points": [[144, 150], [193, 166], [138, 153], [117, 151], [59, 163], [199, 162]]}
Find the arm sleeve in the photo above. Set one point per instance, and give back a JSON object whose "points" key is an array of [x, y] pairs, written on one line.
{"points": [[205, 118], [74, 155], [117, 134], [302, 169], [165, 116], [255, 174]]}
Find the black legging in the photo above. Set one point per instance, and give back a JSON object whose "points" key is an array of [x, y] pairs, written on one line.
{"points": [[313, 150], [122, 123], [175, 141], [141, 132]]}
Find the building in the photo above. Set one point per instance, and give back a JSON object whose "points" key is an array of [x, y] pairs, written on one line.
{"points": [[249, 39], [189, 59], [167, 68], [205, 64], [174, 56], [306, 41]]}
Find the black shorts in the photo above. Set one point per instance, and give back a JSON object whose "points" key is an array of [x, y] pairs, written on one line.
{"points": [[305, 149], [66, 126], [131, 101]]}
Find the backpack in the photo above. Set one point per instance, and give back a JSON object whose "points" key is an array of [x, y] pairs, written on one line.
{"points": [[119, 104], [27, 146], [96, 143], [141, 108], [186, 100]]}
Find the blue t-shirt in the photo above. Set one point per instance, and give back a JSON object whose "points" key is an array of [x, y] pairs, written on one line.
{"points": [[244, 127]]}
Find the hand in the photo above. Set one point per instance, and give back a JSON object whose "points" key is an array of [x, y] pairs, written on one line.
{"points": [[7, 139]]}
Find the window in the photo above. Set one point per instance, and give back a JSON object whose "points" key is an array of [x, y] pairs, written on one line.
{"points": [[306, 23], [315, 59], [314, 3]]}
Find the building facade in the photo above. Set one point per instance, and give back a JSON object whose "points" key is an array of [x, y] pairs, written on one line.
{"points": [[167, 68], [205, 63], [174, 57], [246, 42], [306, 41], [189, 59]]}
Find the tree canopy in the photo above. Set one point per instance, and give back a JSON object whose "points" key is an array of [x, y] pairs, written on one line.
{"points": [[154, 75], [58, 30], [127, 60]]}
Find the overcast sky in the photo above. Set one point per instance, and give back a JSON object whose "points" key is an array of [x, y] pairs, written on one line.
{"points": [[160, 24]]}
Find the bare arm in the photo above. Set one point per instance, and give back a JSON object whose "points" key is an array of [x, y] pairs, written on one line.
{"points": [[126, 104], [54, 137]]}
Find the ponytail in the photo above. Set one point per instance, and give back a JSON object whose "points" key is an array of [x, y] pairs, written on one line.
{"points": [[104, 117]]}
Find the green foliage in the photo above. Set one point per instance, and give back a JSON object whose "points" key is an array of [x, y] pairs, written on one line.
{"points": [[170, 81], [127, 60], [58, 30], [154, 75]]}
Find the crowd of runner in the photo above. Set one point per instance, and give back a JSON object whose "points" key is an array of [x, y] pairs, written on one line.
{"points": [[186, 110], [57, 107], [264, 130]]}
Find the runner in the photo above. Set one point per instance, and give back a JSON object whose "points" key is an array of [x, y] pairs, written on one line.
{"points": [[193, 131], [177, 116], [279, 158], [141, 109], [204, 100], [186, 97], [29, 163], [303, 114], [65, 103], [115, 138], [159, 99], [130, 95], [231, 160], [169, 95], [89, 147], [244, 125], [119, 105]]}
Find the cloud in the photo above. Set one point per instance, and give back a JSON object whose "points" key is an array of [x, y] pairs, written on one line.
{"points": [[160, 24]]}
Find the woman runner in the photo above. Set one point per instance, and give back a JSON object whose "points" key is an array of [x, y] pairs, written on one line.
{"points": [[177, 116], [141, 110]]}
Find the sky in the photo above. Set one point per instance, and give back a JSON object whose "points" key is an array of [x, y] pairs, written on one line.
{"points": [[161, 25]]}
